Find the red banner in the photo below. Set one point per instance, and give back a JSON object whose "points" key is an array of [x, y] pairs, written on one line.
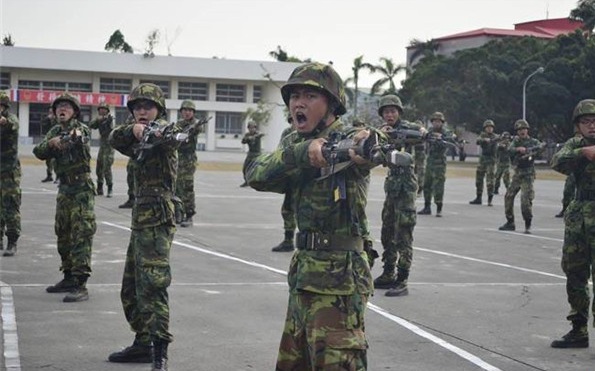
{"points": [[85, 99]]}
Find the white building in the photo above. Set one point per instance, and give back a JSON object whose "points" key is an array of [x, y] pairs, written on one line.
{"points": [[221, 88]]}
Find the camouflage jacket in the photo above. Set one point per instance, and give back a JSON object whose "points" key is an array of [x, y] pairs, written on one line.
{"points": [[72, 162], [570, 161], [437, 150], [320, 208], [104, 125], [9, 144], [253, 141], [502, 152], [154, 176], [488, 147], [187, 149], [523, 163], [286, 138]]}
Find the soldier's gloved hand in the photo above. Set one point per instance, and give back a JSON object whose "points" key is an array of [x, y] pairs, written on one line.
{"points": [[423, 131], [3, 120], [386, 128], [589, 153], [315, 153], [137, 131], [55, 143]]}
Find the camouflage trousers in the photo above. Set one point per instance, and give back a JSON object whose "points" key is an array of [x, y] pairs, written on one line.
{"points": [[185, 187], [420, 171], [10, 203], [103, 168], [398, 221], [49, 166], [287, 212], [569, 190], [323, 332], [130, 177], [75, 227], [434, 180], [485, 169], [502, 173], [147, 275], [521, 181], [578, 258]]}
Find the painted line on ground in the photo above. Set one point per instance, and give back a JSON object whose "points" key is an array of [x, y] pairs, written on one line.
{"points": [[12, 358]]}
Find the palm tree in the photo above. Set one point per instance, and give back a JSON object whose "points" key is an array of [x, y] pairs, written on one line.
{"points": [[585, 12], [358, 65], [422, 49], [389, 70]]}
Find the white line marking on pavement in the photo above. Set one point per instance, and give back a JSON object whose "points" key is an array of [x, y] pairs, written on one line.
{"points": [[408, 325], [526, 235], [12, 359]]}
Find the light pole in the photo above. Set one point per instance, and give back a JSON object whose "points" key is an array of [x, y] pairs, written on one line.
{"points": [[539, 70]]}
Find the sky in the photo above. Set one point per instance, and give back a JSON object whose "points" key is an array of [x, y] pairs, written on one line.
{"points": [[323, 30]]}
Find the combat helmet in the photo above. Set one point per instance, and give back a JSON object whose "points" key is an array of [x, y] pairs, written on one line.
{"points": [[505, 134], [389, 100], [487, 123], [583, 108], [252, 124], [320, 76], [521, 124], [103, 105], [147, 91], [4, 99], [66, 97], [437, 116], [188, 104]]}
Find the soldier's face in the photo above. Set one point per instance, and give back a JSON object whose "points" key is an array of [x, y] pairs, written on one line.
{"points": [[187, 114], [390, 115], [436, 124], [586, 126], [102, 111], [308, 107], [145, 111], [523, 133], [64, 111], [489, 129]]}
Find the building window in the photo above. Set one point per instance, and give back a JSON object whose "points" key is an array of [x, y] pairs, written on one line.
{"points": [[231, 93], [4, 80], [111, 85], [164, 85], [256, 94], [121, 115], [28, 84], [54, 85], [228, 123], [37, 112], [79, 86], [193, 91]]}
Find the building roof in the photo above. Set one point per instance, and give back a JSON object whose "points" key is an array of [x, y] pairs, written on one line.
{"points": [[497, 32], [137, 64]]}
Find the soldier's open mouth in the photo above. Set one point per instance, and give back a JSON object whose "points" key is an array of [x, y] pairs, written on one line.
{"points": [[300, 117]]}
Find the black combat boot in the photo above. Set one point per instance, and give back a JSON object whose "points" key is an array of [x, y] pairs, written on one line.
{"points": [[110, 190], [187, 222], [578, 337], [387, 279], [527, 226], [159, 355], [11, 248], [561, 213], [48, 178], [80, 292], [426, 210], [490, 199], [399, 288], [496, 190], [438, 210], [99, 189], [508, 226], [136, 353], [128, 204], [286, 245], [66, 285], [476, 201]]}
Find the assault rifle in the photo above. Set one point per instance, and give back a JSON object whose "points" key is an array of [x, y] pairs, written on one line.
{"points": [[194, 128], [336, 149], [155, 135], [532, 152], [69, 139]]}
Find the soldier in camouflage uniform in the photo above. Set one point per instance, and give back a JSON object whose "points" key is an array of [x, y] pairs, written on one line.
{"points": [[187, 161], [503, 164], [147, 271], [329, 276], [253, 139], [577, 158], [129, 175], [105, 158], [419, 158], [398, 212], [46, 124], [287, 211], [488, 140], [68, 144], [523, 150], [10, 177], [435, 176]]}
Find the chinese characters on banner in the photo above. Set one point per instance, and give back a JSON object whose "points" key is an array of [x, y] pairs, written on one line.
{"points": [[86, 99]]}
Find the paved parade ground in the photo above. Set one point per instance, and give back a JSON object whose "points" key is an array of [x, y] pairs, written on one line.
{"points": [[479, 298]]}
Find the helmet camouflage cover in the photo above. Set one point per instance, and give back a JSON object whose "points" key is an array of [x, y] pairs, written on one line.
{"points": [[4, 99], [521, 124], [66, 97], [188, 104], [505, 134], [389, 100], [103, 105], [319, 76], [147, 91], [583, 108], [487, 123], [437, 116]]}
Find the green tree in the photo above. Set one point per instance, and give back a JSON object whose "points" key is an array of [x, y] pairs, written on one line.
{"points": [[422, 49], [281, 56], [116, 43], [260, 115], [389, 70], [585, 12], [7, 40]]}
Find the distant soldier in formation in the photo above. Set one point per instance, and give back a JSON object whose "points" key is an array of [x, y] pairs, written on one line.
{"points": [[10, 177], [435, 176], [523, 151], [68, 143], [503, 163], [488, 140], [46, 124], [253, 139], [105, 158], [419, 157], [577, 157], [187, 161]]}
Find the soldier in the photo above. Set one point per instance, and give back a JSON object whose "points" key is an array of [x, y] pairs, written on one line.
{"points": [[503, 164], [252, 138], [419, 158], [10, 177], [488, 140], [329, 276], [523, 150], [46, 124], [187, 161], [398, 212], [435, 176], [68, 144], [568, 194], [287, 211], [129, 175], [147, 271], [105, 158], [577, 157]]}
